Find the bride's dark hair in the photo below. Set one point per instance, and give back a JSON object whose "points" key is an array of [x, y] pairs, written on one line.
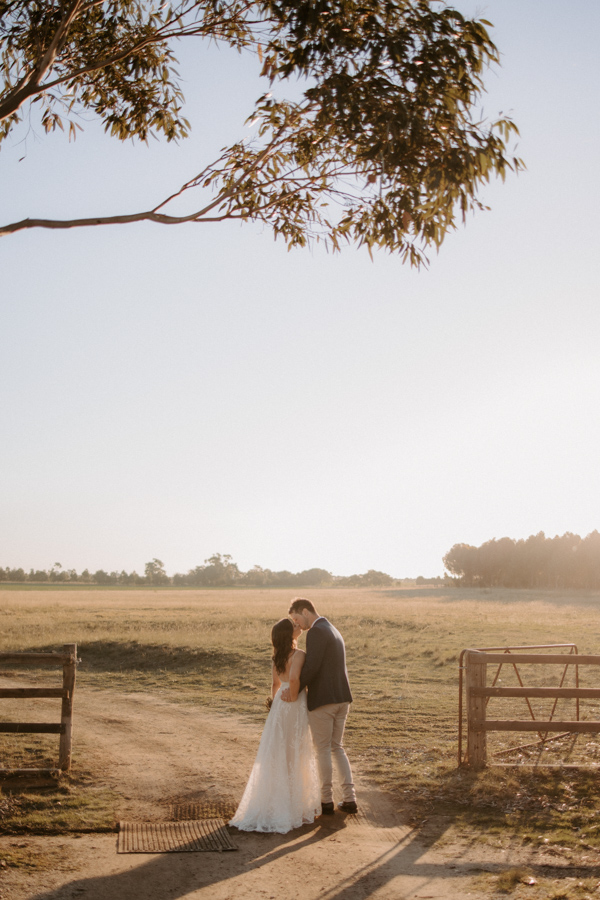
{"points": [[282, 636]]}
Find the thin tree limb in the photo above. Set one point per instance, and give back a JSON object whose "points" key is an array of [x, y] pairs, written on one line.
{"points": [[148, 216]]}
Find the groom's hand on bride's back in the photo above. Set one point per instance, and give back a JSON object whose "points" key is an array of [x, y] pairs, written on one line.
{"points": [[285, 695]]}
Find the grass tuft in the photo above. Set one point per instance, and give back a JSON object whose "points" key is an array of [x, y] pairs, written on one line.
{"points": [[507, 881]]}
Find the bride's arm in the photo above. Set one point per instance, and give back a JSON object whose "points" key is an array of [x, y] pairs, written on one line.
{"points": [[276, 681], [295, 669]]}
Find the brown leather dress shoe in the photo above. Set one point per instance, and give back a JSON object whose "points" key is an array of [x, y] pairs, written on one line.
{"points": [[327, 809], [348, 806]]}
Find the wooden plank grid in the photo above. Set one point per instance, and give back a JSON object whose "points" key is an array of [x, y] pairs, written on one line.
{"points": [[174, 837], [216, 808]]}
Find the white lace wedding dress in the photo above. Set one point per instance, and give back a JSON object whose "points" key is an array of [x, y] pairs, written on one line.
{"points": [[283, 790]]}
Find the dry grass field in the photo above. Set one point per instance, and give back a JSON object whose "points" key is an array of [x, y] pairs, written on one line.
{"points": [[211, 647]]}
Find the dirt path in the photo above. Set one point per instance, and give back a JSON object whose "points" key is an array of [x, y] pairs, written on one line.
{"points": [[160, 756]]}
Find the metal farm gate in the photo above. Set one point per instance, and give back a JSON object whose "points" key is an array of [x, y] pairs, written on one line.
{"points": [[478, 693]]}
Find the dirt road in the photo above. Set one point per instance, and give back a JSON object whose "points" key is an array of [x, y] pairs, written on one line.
{"points": [[161, 757]]}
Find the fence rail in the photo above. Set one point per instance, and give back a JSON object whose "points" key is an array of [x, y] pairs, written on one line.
{"points": [[559, 659], [15, 693], [570, 726], [32, 728], [567, 693], [68, 661]]}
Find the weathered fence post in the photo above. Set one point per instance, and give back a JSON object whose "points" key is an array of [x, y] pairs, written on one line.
{"points": [[476, 671], [66, 713]]}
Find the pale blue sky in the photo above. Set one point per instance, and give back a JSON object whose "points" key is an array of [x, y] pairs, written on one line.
{"points": [[176, 392]]}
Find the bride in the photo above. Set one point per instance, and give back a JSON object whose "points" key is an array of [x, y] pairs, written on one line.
{"points": [[283, 790]]}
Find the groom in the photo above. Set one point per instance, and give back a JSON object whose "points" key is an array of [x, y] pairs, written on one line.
{"points": [[329, 698]]}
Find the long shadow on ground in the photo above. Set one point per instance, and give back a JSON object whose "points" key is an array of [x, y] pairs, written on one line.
{"points": [[176, 875]]}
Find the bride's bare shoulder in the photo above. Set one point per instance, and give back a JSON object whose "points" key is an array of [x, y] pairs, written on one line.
{"points": [[298, 656]]}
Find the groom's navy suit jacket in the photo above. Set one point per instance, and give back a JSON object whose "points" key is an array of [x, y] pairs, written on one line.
{"points": [[324, 672]]}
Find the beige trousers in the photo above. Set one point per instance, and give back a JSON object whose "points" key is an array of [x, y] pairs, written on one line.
{"points": [[327, 728]]}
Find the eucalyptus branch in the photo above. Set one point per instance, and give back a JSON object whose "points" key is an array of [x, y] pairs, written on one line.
{"points": [[387, 131], [126, 219]]}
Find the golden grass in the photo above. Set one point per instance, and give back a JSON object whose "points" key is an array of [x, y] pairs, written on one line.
{"points": [[212, 647], [71, 806]]}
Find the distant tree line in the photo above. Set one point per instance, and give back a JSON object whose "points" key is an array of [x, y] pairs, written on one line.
{"points": [[536, 562], [218, 571]]}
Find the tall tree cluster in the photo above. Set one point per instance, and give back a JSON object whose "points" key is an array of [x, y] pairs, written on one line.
{"points": [[567, 561]]}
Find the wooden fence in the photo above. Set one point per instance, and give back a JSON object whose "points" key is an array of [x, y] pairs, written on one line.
{"points": [[68, 660], [478, 694]]}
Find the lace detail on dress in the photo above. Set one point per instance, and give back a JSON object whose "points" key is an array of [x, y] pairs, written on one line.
{"points": [[283, 791]]}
